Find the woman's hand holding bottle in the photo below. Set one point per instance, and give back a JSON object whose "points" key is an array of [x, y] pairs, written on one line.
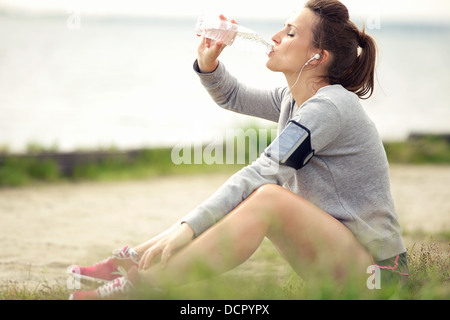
{"points": [[209, 52]]}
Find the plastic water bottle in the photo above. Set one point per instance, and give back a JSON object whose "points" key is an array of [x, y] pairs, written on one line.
{"points": [[227, 32]]}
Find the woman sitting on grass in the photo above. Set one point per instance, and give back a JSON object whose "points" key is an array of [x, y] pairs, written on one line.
{"points": [[320, 192]]}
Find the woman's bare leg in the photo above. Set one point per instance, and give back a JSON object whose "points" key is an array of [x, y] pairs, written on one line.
{"points": [[310, 239]]}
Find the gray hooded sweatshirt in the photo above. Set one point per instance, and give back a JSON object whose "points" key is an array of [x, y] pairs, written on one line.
{"points": [[348, 177]]}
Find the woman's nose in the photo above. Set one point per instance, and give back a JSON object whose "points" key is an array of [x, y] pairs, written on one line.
{"points": [[276, 37]]}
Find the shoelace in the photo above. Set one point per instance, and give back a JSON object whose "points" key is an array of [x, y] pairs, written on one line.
{"points": [[120, 285], [126, 253], [122, 254]]}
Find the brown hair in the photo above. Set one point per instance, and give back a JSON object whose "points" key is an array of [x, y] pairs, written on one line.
{"points": [[335, 33]]}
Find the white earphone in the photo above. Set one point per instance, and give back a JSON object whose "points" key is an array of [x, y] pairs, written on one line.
{"points": [[315, 57]]}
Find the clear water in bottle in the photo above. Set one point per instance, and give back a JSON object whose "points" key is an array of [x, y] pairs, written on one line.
{"points": [[227, 32]]}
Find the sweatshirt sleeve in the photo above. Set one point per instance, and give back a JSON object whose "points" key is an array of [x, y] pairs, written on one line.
{"points": [[323, 119], [232, 95], [262, 171]]}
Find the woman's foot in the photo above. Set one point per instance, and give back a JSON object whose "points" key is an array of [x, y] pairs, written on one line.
{"points": [[116, 289], [107, 269]]}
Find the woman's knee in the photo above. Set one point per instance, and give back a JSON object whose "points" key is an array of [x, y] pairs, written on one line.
{"points": [[274, 198], [275, 195], [268, 195], [263, 197], [269, 190]]}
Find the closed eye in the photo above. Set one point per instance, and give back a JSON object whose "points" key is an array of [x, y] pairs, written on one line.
{"points": [[291, 29]]}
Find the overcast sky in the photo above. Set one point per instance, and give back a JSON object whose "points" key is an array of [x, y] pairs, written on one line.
{"points": [[411, 10]]}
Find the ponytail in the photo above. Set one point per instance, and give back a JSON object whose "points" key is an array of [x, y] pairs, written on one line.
{"points": [[335, 33], [359, 78]]}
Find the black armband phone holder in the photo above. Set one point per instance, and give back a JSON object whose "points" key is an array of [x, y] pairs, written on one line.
{"points": [[292, 147]]}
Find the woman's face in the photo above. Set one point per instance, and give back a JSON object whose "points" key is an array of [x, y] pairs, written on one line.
{"points": [[292, 45]]}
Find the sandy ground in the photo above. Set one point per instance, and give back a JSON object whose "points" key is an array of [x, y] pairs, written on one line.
{"points": [[43, 229]]}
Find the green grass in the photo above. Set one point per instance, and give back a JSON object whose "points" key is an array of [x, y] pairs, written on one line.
{"points": [[16, 171], [39, 164], [429, 149], [266, 276], [41, 291]]}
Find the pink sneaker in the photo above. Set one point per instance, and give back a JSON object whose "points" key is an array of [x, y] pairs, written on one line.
{"points": [[106, 270], [113, 290]]}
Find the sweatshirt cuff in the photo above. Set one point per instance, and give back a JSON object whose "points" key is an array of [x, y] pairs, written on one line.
{"points": [[198, 222], [211, 79]]}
